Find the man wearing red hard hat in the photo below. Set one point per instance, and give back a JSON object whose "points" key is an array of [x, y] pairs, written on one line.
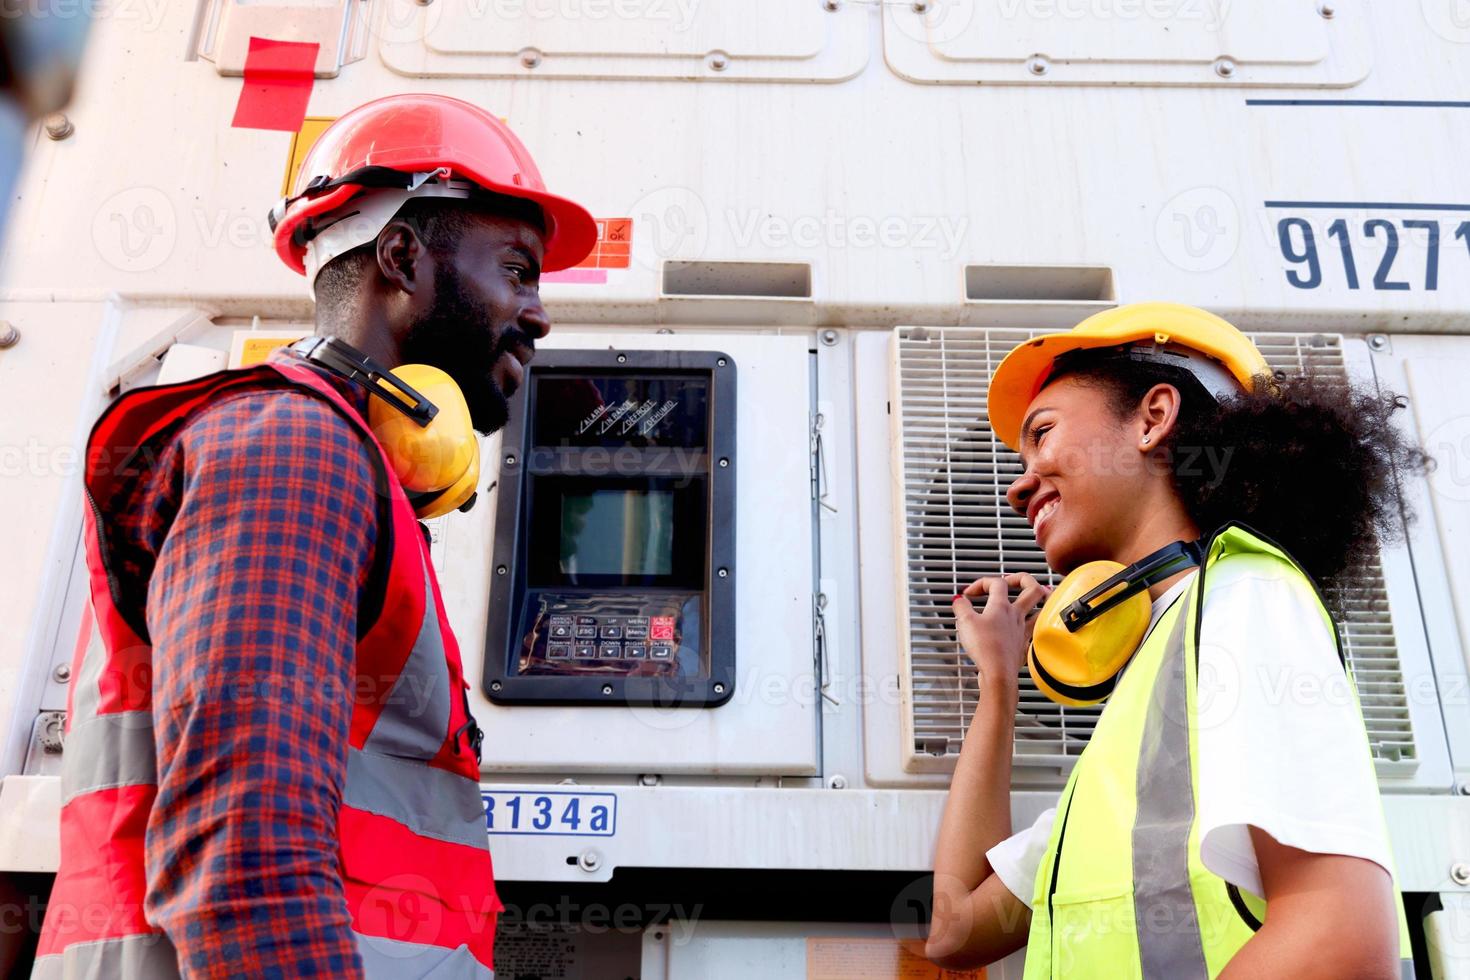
{"points": [[271, 767]]}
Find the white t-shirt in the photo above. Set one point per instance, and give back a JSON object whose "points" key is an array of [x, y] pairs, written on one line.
{"points": [[1280, 745]]}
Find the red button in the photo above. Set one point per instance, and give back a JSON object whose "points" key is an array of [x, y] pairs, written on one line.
{"points": [[661, 628]]}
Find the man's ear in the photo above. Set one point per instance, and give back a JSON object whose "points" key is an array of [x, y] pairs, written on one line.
{"points": [[1158, 415], [403, 259]]}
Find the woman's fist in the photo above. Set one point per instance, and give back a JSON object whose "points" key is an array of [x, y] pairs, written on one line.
{"points": [[996, 631]]}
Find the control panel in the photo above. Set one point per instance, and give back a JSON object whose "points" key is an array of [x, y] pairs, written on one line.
{"points": [[614, 573]]}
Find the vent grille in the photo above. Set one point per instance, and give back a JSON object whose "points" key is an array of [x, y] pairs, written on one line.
{"points": [[957, 527]]}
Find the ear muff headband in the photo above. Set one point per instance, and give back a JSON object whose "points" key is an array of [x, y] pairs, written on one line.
{"points": [[346, 361], [1090, 660], [1135, 578], [430, 444]]}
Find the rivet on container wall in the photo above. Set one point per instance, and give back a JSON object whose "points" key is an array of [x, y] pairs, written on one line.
{"points": [[58, 126], [1225, 67], [718, 61], [1038, 65], [530, 58], [1327, 10], [831, 4], [9, 336]]}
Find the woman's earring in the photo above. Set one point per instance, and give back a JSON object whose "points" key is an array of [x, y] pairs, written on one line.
{"points": [[1145, 440]]}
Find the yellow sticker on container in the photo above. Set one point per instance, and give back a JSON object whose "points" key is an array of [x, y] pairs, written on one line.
{"points": [[251, 347], [850, 958], [311, 130]]}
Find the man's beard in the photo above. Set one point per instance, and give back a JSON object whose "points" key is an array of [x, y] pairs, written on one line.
{"points": [[456, 336]]}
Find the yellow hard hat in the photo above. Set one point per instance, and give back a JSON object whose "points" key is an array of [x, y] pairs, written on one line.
{"points": [[1027, 367]]}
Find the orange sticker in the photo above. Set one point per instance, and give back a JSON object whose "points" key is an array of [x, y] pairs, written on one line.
{"points": [[873, 959], [614, 248]]}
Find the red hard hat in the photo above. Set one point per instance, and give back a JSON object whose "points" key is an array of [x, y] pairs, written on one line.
{"points": [[415, 134]]}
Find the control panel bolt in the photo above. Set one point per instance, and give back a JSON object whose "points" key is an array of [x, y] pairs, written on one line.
{"points": [[649, 779], [501, 569], [829, 338], [622, 358], [1038, 65], [589, 860], [1327, 10], [510, 461], [62, 673], [724, 464], [719, 689], [495, 685], [721, 362], [607, 690], [723, 573], [1460, 873], [1378, 342], [838, 781], [58, 126], [1225, 67], [9, 336]]}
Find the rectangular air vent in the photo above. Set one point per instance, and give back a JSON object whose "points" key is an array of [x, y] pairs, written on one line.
{"points": [[1033, 283], [956, 527], [757, 280]]}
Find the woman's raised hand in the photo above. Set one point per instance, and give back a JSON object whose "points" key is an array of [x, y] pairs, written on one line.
{"points": [[996, 632]]}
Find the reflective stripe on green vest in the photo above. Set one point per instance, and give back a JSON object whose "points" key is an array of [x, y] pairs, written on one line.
{"points": [[1121, 891]]}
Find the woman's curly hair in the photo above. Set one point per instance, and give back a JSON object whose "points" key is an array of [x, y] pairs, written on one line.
{"points": [[1311, 462]]}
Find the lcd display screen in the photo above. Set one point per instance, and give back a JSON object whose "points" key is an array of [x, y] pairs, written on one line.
{"points": [[627, 533]]}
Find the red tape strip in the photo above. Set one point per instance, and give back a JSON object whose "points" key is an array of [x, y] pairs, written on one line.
{"points": [[278, 80]]}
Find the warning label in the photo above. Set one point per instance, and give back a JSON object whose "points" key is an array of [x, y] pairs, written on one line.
{"points": [[537, 954], [873, 959]]}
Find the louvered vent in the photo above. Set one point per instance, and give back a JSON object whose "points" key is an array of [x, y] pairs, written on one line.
{"points": [[957, 527]]}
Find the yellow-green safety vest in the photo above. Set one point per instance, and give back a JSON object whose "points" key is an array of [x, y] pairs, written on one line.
{"points": [[1121, 891]]}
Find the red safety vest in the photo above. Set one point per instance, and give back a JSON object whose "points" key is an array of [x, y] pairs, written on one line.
{"points": [[414, 856]]}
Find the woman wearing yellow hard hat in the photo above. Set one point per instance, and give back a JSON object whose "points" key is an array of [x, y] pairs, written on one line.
{"points": [[1224, 818]]}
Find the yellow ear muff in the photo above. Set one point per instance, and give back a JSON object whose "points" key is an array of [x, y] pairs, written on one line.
{"points": [[442, 458], [1081, 668]]}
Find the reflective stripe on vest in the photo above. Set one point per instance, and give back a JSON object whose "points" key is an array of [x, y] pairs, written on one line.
{"points": [[1121, 890], [150, 956], [413, 848]]}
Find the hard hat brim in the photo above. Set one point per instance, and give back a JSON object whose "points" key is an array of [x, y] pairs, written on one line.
{"points": [[1025, 369]]}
